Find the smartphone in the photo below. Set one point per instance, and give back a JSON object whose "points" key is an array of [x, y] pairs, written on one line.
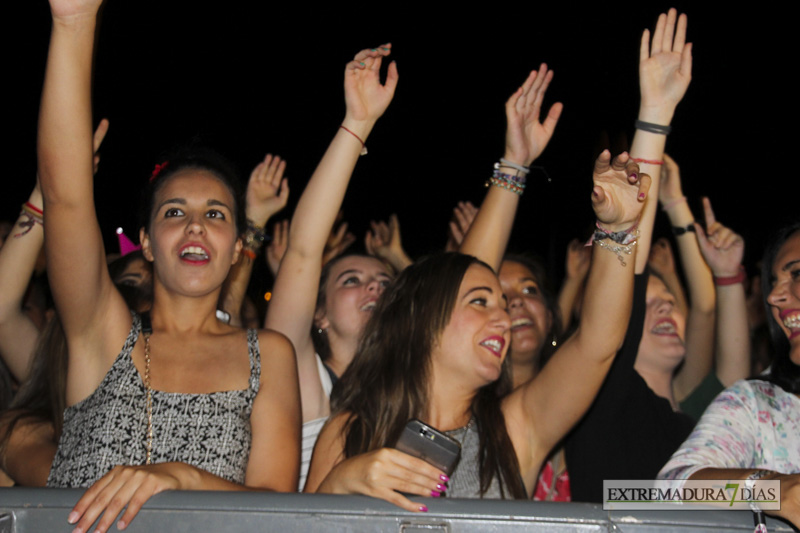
{"points": [[431, 445]]}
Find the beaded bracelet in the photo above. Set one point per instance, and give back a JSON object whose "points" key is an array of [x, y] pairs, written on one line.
{"points": [[516, 189], [254, 238]]}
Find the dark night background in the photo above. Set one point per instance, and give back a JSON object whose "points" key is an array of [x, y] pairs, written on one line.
{"points": [[252, 78]]}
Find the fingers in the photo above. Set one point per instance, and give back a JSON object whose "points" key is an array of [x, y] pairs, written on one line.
{"points": [[669, 30], [553, 115], [709, 213], [391, 78], [686, 61], [644, 47], [658, 35], [680, 34], [644, 186], [603, 162], [100, 134]]}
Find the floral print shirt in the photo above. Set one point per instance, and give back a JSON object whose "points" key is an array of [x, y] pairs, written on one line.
{"points": [[752, 424]]}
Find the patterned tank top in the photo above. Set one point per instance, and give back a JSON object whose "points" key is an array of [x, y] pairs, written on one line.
{"points": [[208, 431]]}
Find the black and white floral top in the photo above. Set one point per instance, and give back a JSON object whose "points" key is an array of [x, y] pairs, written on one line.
{"points": [[209, 431]]}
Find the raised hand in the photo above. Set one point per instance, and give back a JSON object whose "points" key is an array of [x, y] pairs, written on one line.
{"points": [[338, 241], [619, 191], [384, 242], [526, 137], [364, 95], [670, 187], [579, 259], [665, 65], [722, 249], [267, 190], [464, 214], [277, 248], [385, 474]]}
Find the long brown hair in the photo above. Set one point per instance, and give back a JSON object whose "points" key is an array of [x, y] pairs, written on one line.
{"points": [[387, 383]]}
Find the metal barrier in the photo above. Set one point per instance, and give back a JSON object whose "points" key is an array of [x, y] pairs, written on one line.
{"points": [[25, 510]]}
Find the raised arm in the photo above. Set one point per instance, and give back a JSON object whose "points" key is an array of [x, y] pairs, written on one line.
{"points": [[700, 319], [94, 315], [18, 333], [665, 70], [540, 413], [292, 306], [578, 261], [267, 194], [526, 139], [723, 251]]}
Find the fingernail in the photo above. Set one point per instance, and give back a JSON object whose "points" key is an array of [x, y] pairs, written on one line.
{"points": [[435, 493], [444, 478], [387, 49], [77, 530], [423, 508], [634, 175], [641, 196], [361, 63], [440, 487], [121, 525], [73, 517]]}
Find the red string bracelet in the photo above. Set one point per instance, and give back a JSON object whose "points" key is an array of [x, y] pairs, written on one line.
{"points": [[363, 144], [648, 161], [34, 208]]}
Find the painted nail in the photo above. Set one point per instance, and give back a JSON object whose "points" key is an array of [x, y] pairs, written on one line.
{"points": [[373, 49], [435, 493], [387, 49], [444, 478], [641, 196], [361, 63], [440, 487], [73, 517], [634, 175], [423, 508]]}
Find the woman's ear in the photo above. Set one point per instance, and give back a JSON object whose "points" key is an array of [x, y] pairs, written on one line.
{"points": [[147, 251], [321, 320], [237, 250]]}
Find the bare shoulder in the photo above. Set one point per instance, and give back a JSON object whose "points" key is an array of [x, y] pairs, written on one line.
{"points": [[275, 345]]}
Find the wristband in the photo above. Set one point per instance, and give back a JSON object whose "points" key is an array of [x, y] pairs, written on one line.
{"points": [[659, 129], [680, 230], [731, 280]]}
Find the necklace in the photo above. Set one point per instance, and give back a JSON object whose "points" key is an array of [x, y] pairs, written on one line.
{"points": [[147, 329]]}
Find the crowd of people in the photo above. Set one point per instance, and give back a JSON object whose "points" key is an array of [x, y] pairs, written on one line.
{"points": [[150, 370]]}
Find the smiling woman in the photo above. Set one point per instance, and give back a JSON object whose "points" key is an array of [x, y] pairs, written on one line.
{"points": [[436, 350], [144, 414]]}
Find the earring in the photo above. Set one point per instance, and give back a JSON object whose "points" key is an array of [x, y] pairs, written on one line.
{"points": [[554, 342]]}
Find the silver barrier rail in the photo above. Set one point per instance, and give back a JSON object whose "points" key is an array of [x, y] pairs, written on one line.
{"points": [[24, 510]]}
